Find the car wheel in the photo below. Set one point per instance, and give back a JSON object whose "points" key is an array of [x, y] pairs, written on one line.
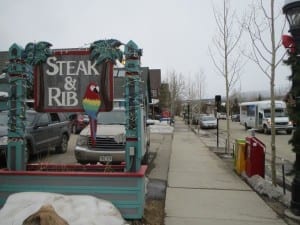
{"points": [[246, 126], [266, 131], [63, 147], [288, 131]]}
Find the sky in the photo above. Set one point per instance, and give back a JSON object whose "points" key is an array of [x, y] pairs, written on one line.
{"points": [[175, 35]]}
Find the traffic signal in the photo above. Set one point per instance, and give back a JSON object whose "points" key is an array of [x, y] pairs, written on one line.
{"points": [[218, 102]]}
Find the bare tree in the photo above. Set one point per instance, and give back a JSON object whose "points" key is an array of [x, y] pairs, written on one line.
{"points": [[199, 86], [226, 56], [176, 87], [264, 53]]}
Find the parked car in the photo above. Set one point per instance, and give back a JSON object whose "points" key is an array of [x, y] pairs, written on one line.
{"points": [[167, 121], [235, 118], [196, 118], [222, 116], [78, 122], [43, 132], [208, 122], [110, 140]]}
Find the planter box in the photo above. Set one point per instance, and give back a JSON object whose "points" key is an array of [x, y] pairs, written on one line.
{"points": [[126, 190]]}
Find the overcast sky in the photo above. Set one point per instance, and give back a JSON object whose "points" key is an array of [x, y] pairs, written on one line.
{"points": [[174, 34]]}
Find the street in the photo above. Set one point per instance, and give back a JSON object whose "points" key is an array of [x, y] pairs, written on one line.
{"points": [[283, 149]]}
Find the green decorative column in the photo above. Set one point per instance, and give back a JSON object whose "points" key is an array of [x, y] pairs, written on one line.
{"points": [[134, 142], [20, 78], [16, 157]]}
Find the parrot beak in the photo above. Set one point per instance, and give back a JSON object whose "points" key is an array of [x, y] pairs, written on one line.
{"points": [[96, 89]]}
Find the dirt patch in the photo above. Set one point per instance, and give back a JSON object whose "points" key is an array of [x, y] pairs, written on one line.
{"points": [[154, 213]]}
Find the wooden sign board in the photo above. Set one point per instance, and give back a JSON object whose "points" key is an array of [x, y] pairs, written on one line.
{"points": [[60, 83]]}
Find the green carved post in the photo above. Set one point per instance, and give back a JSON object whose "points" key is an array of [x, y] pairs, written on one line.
{"points": [[134, 142], [17, 106], [20, 76], [104, 51]]}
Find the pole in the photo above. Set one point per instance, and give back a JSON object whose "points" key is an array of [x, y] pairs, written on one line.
{"points": [[188, 122], [134, 129], [292, 12], [217, 132], [294, 105]]}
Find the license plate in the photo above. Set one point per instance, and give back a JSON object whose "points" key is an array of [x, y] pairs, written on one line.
{"points": [[105, 158]]}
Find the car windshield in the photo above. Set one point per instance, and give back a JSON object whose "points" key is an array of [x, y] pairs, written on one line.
{"points": [[208, 118], [113, 117], [29, 118], [278, 113], [3, 118]]}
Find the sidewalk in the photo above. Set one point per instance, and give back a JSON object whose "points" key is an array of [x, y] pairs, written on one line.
{"points": [[203, 190]]}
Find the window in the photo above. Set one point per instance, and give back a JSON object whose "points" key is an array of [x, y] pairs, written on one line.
{"points": [[44, 119]]}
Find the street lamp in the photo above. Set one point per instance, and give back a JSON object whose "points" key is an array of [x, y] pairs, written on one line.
{"points": [[291, 9]]}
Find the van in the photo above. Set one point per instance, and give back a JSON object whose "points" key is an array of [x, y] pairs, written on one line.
{"points": [[257, 115]]}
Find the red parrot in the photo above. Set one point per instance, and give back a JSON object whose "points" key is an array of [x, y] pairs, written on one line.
{"points": [[91, 103]]}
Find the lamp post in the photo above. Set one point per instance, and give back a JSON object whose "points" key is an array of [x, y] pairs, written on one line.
{"points": [[291, 9]]}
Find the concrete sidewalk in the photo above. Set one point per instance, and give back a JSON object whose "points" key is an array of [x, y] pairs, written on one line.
{"points": [[203, 190]]}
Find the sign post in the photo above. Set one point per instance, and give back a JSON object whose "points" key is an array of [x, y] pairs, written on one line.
{"points": [[133, 107]]}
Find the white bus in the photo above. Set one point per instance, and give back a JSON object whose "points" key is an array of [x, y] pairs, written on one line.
{"points": [[257, 115]]}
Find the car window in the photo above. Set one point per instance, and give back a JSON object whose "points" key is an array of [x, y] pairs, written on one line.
{"points": [[54, 118], [30, 118], [208, 118], [44, 119], [113, 117]]}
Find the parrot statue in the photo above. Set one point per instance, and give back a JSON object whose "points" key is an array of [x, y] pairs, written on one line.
{"points": [[91, 103]]}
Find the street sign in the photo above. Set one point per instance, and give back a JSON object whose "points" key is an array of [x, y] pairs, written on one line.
{"points": [[62, 80]]}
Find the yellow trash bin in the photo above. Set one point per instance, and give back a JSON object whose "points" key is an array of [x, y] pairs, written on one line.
{"points": [[239, 156]]}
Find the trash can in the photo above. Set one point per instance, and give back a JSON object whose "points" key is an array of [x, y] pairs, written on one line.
{"points": [[239, 156], [255, 157]]}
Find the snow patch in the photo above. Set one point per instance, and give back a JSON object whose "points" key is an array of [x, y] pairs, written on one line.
{"points": [[75, 209], [161, 128]]}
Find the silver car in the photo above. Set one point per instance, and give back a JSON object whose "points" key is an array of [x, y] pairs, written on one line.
{"points": [[208, 122], [110, 140]]}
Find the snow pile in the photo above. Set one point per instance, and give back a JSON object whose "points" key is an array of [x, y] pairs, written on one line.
{"points": [[75, 209], [266, 188], [161, 128]]}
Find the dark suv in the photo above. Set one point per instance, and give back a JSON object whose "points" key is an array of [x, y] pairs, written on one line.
{"points": [[44, 132], [78, 122]]}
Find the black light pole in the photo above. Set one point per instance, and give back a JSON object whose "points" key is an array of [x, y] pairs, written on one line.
{"points": [[291, 9], [188, 109]]}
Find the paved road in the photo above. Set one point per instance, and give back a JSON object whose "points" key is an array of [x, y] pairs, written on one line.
{"points": [[283, 149]]}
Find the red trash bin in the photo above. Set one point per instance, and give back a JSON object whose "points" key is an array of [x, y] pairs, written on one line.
{"points": [[255, 157]]}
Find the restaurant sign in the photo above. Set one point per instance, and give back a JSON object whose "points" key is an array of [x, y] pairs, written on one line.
{"points": [[64, 79]]}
